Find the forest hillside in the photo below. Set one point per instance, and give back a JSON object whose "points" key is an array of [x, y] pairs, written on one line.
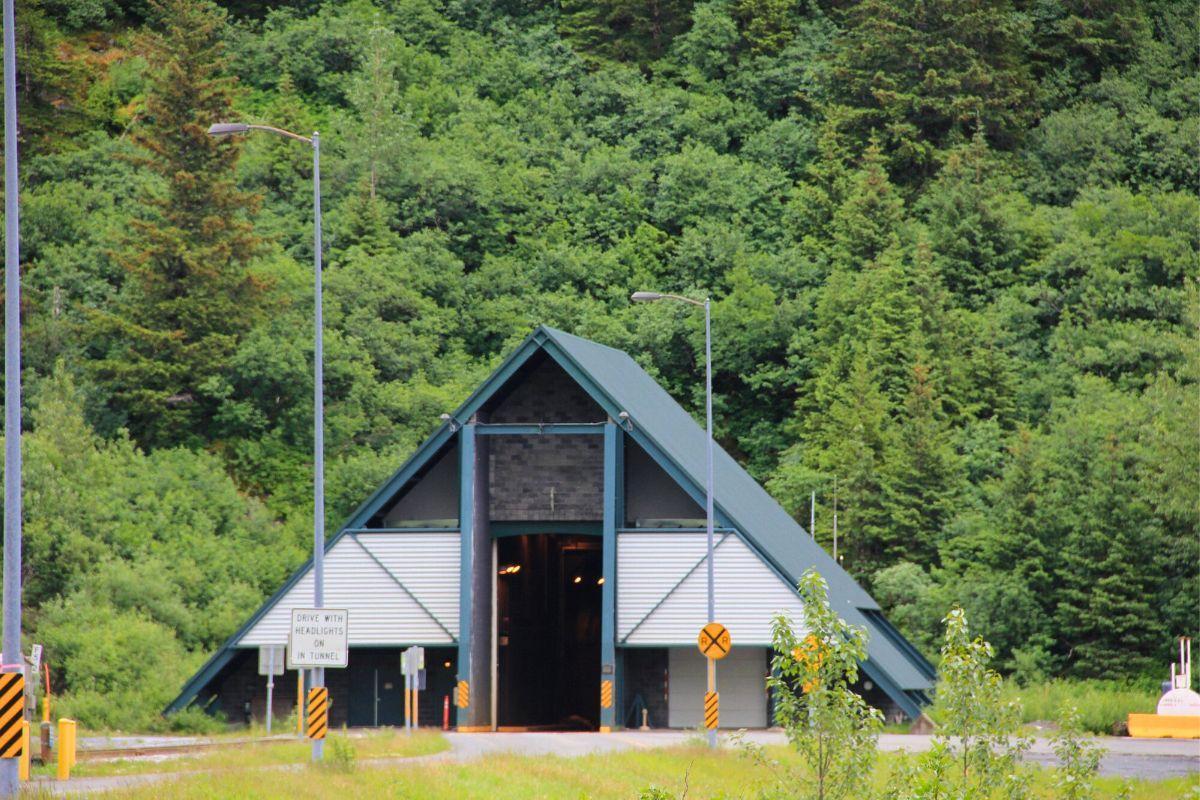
{"points": [[952, 247]]}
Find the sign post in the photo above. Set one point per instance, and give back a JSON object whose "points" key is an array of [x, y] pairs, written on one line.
{"points": [[270, 663], [412, 665], [318, 638], [405, 658], [714, 643]]}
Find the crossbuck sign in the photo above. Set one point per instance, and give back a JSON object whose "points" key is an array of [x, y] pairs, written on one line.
{"points": [[318, 638]]}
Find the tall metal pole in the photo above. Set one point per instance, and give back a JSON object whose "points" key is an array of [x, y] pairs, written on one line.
{"points": [[318, 419], [708, 510], [835, 512], [9, 777], [812, 515]]}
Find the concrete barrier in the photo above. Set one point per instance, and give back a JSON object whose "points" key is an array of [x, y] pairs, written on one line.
{"points": [[1160, 726]]}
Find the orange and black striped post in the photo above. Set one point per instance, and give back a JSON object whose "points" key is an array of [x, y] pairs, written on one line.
{"points": [[712, 714], [12, 714], [318, 712]]}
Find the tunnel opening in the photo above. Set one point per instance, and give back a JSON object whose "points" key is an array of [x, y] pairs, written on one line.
{"points": [[548, 590]]}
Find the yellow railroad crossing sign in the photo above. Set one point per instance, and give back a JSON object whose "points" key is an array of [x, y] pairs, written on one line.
{"points": [[606, 693], [714, 641], [712, 712], [12, 713], [318, 712]]}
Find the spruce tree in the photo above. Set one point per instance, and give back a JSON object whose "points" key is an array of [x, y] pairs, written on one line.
{"points": [[867, 221], [922, 475], [189, 293], [1110, 571], [924, 75], [624, 30]]}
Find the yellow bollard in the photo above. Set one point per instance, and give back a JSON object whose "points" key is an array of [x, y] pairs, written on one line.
{"points": [[66, 748], [23, 769], [300, 702]]}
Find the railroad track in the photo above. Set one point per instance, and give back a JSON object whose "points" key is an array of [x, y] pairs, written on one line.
{"points": [[170, 749]]}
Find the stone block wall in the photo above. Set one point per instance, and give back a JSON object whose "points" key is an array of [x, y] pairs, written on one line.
{"points": [[549, 477], [546, 477]]}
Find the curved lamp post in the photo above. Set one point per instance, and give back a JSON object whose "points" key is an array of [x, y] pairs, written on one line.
{"points": [[235, 128], [653, 297]]}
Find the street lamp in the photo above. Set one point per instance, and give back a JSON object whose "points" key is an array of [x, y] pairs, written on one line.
{"points": [[10, 639], [653, 297], [230, 129]]}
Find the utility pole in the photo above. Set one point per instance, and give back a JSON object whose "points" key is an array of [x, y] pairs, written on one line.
{"points": [[835, 510], [812, 515], [706, 304], [10, 783], [316, 674]]}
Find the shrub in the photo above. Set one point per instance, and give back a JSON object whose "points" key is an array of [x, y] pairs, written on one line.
{"points": [[831, 727], [341, 755], [1078, 759], [977, 751]]}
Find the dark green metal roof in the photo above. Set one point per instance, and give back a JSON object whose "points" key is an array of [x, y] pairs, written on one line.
{"points": [[752, 511], [661, 425]]}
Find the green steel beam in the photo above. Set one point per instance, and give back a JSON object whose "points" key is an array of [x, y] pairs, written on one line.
{"points": [[521, 429], [466, 519], [613, 511], [502, 530]]}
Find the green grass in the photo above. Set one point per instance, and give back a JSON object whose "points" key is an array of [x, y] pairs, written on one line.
{"points": [[375, 744], [614, 776], [1103, 705]]}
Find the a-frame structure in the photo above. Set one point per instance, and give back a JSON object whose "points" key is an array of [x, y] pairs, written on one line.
{"points": [[572, 461]]}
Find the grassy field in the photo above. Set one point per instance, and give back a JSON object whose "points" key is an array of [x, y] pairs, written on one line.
{"points": [[619, 776], [374, 744], [1102, 704]]}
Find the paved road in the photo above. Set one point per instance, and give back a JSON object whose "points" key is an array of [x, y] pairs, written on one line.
{"points": [[1141, 758]]}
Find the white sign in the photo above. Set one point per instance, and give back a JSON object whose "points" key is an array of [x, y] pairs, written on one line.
{"points": [[35, 659], [412, 660], [1179, 703], [319, 637], [270, 659]]}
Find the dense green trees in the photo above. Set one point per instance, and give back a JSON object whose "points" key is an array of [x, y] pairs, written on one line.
{"points": [[188, 294], [951, 246]]}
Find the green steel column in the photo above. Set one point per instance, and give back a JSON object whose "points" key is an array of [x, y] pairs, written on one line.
{"points": [[614, 512], [466, 519]]}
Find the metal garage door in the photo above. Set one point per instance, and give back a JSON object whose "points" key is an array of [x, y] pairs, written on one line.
{"points": [[741, 680]]}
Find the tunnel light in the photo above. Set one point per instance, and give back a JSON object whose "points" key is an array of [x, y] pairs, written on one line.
{"points": [[600, 582], [511, 569], [578, 579], [446, 664]]}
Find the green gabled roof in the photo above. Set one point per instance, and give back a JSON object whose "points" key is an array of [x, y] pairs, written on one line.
{"points": [[656, 414], [776, 535], [662, 427]]}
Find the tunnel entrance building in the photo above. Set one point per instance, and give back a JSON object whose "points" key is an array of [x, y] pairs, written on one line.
{"points": [[546, 545]]}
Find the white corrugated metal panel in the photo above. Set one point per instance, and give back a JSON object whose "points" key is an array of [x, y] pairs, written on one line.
{"points": [[428, 566], [650, 565], [741, 682], [381, 612]]}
